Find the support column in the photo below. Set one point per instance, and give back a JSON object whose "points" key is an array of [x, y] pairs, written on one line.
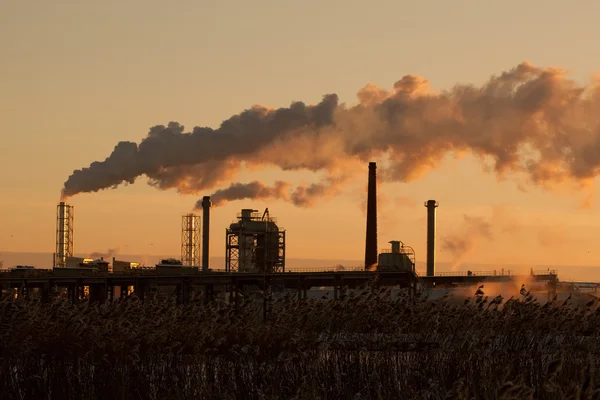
{"points": [[45, 291], [237, 297], [208, 293], [185, 292], [71, 293]]}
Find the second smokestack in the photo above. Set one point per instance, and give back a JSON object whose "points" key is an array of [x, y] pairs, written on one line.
{"points": [[371, 239], [205, 231], [431, 206]]}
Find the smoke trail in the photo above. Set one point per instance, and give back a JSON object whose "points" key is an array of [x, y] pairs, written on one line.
{"points": [[301, 196], [109, 253], [464, 241], [252, 190], [528, 120]]}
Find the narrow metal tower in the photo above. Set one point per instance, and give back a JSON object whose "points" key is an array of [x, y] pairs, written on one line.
{"points": [[190, 240], [431, 206], [371, 236], [64, 234]]}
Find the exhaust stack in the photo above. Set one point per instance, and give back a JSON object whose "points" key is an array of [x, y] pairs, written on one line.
{"points": [[431, 206], [205, 231], [371, 237]]}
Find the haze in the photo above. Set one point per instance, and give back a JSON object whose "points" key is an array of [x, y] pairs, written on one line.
{"points": [[78, 78]]}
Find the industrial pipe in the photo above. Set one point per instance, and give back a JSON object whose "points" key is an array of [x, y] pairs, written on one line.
{"points": [[371, 237], [431, 206], [205, 231]]}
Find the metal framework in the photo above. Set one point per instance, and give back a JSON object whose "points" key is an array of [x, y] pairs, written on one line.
{"points": [[255, 244], [64, 233], [190, 240]]}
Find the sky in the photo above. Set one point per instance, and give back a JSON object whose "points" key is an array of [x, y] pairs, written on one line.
{"points": [[78, 77]]}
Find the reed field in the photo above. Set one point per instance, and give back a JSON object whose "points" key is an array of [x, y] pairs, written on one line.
{"points": [[367, 346]]}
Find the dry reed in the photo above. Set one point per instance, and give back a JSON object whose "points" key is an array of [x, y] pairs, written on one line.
{"points": [[369, 346]]}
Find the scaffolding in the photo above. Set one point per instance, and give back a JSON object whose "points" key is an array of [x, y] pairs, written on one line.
{"points": [[64, 234], [190, 240], [255, 243]]}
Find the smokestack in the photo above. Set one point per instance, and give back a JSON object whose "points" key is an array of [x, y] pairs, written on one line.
{"points": [[371, 241], [205, 231], [431, 206], [64, 234]]}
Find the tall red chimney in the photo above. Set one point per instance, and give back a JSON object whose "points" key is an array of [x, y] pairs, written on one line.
{"points": [[431, 206], [205, 231], [371, 241]]}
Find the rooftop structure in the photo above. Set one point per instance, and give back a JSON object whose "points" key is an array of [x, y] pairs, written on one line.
{"points": [[399, 258], [254, 243]]}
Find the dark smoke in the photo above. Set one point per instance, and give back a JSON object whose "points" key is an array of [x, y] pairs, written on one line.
{"points": [[204, 157], [301, 196], [109, 253], [528, 120], [252, 190]]}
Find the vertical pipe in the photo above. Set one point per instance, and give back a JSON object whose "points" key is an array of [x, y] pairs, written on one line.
{"points": [[431, 206], [205, 231], [371, 237], [60, 235]]}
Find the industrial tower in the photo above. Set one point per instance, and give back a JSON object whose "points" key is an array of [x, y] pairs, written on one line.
{"points": [[190, 240], [371, 237], [64, 234], [255, 244], [431, 206]]}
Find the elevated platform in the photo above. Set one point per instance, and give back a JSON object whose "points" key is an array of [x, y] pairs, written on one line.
{"points": [[101, 285], [143, 282], [465, 280]]}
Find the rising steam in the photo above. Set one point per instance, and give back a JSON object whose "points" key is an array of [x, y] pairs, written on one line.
{"points": [[528, 120], [465, 240]]}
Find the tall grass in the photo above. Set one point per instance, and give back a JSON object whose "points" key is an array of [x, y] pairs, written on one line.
{"points": [[370, 346]]}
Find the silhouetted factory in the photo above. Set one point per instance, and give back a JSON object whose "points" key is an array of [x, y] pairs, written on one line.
{"points": [[255, 247]]}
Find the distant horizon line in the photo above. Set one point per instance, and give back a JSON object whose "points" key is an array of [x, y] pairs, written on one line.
{"points": [[359, 262]]}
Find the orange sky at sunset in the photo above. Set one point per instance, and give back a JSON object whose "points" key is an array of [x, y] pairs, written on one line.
{"points": [[78, 78]]}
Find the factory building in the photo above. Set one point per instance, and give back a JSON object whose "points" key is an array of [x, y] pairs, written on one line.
{"points": [[171, 265], [79, 263], [399, 258], [123, 266], [254, 243]]}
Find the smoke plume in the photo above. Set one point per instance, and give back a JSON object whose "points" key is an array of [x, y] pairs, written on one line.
{"points": [[531, 121], [109, 253], [252, 190], [464, 241], [301, 196]]}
